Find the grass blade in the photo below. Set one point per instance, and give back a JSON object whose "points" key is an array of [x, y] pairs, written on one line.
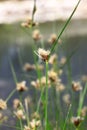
{"points": [[64, 27]]}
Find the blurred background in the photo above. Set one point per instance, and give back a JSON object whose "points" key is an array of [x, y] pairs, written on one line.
{"points": [[51, 16]]}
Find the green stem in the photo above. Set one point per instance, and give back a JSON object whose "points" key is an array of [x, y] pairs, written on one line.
{"points": [[21, 126], [38, 106], [20, 96], [27, 116], [69, 74], [10, 95], [13, 72], [77, 128], [59, 114], [64, 126], [82, 96], [46, 114], [26, 112], [37, 71], [64, 27]]}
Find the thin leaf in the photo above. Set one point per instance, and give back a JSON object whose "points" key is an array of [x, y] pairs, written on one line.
{"points": [[64, 27]]}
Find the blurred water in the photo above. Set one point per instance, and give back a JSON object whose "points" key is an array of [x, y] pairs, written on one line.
{"points": [[14, 42]]}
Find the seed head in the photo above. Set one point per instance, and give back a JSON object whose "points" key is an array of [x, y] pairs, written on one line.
{"points": [[52, 76], [21, 86], [66, 99], [16, 103], [43, 81], [40, 83], [26, 128], [76, 86], [52, 38], [43, 54], [3, 117], [60, 87], [53, 59], [39, 67], [63, 60], [77, 120], [84, 78], [28, 67], [36, 35], [36, 116], [35, 123], [20, 114], [3, 104], [84, 111], [35, 84], [29, 23]]}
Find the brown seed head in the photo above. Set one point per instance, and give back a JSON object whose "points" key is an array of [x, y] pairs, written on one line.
{"points": [[43, 81], [39, 67], [66, 99], [3, 104], [28, 67], [84, 78], [21, 86], [52, 39], [60, 87], [36, 35], [27, 128], [77, 120], [36, 116], [84, 111], [29, 23], [76, 86], [35, 84], [20, 114], [43, 54], [16, 103], [52, 76], [63, 60], [34, 123], [53, 59]]}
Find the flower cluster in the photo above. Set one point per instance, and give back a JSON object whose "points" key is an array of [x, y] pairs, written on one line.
{"points": [[29, 23]]}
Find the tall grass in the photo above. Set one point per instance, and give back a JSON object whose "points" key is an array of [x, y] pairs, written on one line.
{"points": [[52, 109]]}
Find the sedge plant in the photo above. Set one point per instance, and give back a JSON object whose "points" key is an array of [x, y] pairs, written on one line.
{"points": [[40, 119]]}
